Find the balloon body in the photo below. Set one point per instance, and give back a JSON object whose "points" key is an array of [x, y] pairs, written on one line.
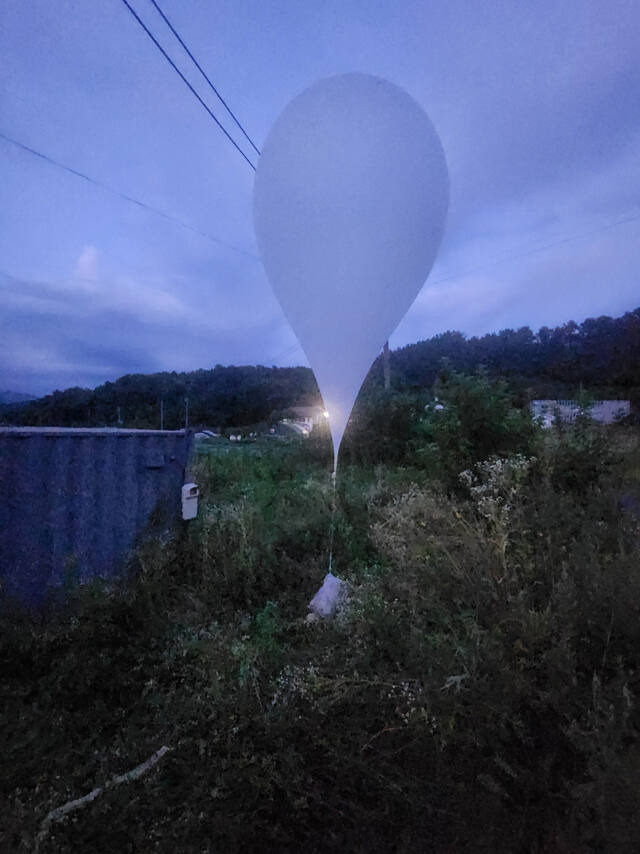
{"points": [[350, 200]]}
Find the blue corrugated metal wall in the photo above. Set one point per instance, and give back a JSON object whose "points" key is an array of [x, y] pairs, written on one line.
{"points": [[76, 500]]}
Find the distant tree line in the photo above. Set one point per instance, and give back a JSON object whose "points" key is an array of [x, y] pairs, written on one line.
{"points": [[220, 397], [601, 354]]}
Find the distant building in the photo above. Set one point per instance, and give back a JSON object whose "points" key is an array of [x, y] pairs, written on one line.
{"points": [[287, 427], [604, 411], [204, 435], [309, 416]]}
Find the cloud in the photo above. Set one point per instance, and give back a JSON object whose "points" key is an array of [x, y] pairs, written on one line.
{"points": [[87, 264], [518, 264], [570, 281], [535, 103], [76, 331]]}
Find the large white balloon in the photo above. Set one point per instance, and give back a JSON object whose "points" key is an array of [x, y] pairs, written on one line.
{"points": [[350, 200]]}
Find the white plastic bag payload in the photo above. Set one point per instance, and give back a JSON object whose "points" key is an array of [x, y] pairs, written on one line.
{"points": [[329, 597]]}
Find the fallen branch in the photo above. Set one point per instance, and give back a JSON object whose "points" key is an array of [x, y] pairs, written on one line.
{"points": [[134, 774]]}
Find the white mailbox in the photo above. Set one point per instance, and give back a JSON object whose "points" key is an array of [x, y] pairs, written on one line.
{"points": [[189, 501]]}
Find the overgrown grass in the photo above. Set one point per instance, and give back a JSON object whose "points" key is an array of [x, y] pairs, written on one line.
{"points": [[479, 692]]}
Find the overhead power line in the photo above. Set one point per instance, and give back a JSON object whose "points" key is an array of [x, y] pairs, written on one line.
{"points": [[182, 224], [186, 82], [510, 258], [481, 267], [289, 351], [477, 269], [201, 70], [170, 218], [126, 197]]}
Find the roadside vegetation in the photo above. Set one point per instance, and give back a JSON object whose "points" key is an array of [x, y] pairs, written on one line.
{"points": [[478, 693]]}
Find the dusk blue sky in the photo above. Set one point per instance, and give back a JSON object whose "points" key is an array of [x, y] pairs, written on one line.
{"points": [[537, 106]]}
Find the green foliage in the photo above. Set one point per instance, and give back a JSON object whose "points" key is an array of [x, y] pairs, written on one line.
{"points": [[602, 353], [530, 649], [478, 419], [581, 454], [381, 427], [478, 693], [221, 397]]}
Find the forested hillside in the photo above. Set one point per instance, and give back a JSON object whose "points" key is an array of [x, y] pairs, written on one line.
{"points": [[601, 354], [222, 396], [15, 397]]}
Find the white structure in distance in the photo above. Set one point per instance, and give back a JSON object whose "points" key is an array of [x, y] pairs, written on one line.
{"points": [[604, 411]]}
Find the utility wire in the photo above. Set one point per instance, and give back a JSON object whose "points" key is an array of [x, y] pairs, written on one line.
{"points": [[170, 218], [126, 197], [510, 258], [286, 352], [535, 250], [185, 81], [201, 70]]}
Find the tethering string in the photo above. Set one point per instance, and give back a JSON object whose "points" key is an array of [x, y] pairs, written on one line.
{"points": [[332, 523]]}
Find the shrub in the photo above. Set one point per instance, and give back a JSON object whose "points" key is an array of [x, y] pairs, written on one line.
{"points": [[478, 693], [580, 454], [478, 420]]}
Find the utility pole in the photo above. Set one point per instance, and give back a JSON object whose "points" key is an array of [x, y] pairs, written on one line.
{"points": [[162, 413], [186, 413], [386, 365]]}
